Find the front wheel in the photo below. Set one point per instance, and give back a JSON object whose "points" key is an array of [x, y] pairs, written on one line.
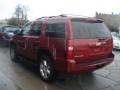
{"points": [[46, 69], [13, 55]]}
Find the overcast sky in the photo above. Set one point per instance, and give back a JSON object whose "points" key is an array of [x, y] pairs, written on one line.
{"points": [[39, 8]]}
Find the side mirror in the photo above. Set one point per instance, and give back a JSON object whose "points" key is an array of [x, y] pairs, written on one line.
{"points": [[16, 32], [19, 32]]}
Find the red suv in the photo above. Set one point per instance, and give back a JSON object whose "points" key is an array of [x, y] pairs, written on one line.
{"points": [[65, 44]]}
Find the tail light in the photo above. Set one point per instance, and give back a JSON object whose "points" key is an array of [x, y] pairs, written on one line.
{"points": [[70, 49], [1, 33]]}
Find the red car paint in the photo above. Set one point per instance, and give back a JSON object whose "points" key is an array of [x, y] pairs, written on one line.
{"points": [[69, 54]]}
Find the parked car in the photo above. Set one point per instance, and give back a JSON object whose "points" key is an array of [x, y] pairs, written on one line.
{"points": [[64, 44], [115, 34], [116, 40], [1, 33], [7, 32]]}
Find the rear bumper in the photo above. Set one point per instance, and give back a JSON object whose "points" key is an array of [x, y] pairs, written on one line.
{"points": [[71, 66], [74, 67]]}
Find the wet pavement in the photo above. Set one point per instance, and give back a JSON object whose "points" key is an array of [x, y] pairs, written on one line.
{"points": [[23, 76]]}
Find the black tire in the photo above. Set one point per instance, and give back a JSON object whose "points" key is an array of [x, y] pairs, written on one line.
{"points": [[46, 69], [13, 54]]}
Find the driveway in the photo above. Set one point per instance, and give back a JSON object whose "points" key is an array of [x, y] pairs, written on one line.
{"points": [[22, 75]]}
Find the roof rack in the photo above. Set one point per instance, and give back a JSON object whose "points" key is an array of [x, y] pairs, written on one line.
{"points": [[47, 17], [41, 18], [65, 15]]}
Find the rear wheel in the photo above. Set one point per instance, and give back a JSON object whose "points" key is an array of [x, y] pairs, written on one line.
{"points": [[46, 69]]}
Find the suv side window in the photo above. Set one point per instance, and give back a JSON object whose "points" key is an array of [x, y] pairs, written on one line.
{"points": [[26, 29], [36, 29], [55, 30]]}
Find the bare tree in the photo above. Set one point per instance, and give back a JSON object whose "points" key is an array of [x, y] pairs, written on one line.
{"points": [[13, 21], [20, 16]]}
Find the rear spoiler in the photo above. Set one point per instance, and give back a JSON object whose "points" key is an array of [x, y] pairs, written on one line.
{"points": [[91, 20]]}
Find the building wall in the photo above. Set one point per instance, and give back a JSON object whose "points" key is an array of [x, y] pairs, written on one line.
{"points": [[111, 20]]}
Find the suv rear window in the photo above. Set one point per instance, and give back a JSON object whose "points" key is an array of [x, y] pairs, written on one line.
{"points": [[86, 29]]}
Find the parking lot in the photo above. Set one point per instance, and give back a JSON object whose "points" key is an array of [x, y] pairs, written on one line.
{"points": [[23, 76]]}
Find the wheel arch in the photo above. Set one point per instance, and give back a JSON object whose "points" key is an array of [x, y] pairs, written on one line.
{"points": [[41, 52], [12, 43]]}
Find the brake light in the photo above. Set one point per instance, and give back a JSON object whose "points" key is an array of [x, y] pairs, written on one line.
{"points": [[1, 33], [70, 49]]}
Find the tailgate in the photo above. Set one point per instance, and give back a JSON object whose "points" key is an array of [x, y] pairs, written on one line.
{"points": [[87, 50]]}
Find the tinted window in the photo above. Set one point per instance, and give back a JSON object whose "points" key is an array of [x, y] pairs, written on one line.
{"points": [[90, 30], [36, 29], [56, 30], [26, 29]]}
